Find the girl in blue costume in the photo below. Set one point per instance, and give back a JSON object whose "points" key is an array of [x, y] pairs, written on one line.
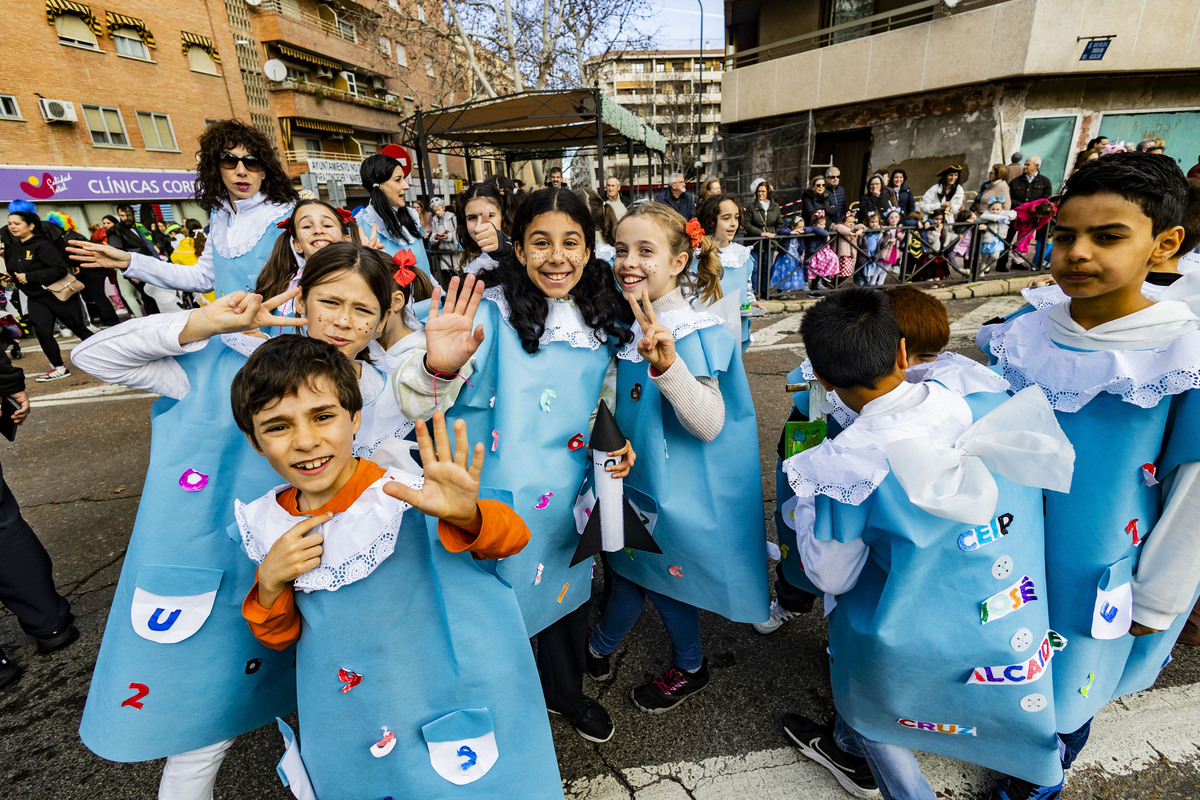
{"points": [[186, 703], [1122, 374], [482, 212], [386, 217], [683, 396], [721, 216], [547, 328], [936, 560], [438, 694]]}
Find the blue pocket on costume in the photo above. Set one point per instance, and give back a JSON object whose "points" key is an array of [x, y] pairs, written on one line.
{"points": [[462, 745], [1113, 611], [171, 603]]}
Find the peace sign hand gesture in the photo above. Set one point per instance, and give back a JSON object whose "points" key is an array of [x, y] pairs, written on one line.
{"points": [[374, 242], [236, 312], [657, 344], [449, 340]]}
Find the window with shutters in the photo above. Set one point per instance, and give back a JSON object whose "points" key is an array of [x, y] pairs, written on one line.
{"points": [[201, 61], [73, 30], [129, 43], [156, 131], [401, 55], [105, 126]]}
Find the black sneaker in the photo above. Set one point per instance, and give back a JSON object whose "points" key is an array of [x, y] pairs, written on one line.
{"points": [[1017, 789], [816, 743], [15, 353], [591, 721], [670, 689], [59, 639], [9, 672]]}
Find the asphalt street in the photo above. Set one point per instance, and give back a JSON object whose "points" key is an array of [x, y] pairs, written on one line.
{"points": [[77, 469]]}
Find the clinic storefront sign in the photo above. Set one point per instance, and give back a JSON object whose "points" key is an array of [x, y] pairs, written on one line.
{"points": [[81, 184]]}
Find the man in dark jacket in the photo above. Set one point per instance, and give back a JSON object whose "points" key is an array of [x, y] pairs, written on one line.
{"points": [[26, 573], [1026, 187], [836, 192], [677, 197]]}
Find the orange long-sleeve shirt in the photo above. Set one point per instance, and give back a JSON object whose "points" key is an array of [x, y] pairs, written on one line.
{"points": [[502, 533]]}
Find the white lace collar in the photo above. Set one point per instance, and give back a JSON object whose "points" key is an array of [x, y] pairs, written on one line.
{"points": [[958, 374], [235, 235], [675, 314], [564, 322], [851, 466], [1071, 378], [369, 216], [1044, 296], [734, 255], [357, 540], [479, 263]]}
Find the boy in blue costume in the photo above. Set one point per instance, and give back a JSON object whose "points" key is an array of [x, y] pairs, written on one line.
{"points": [[1121, 372], [903, 502], [437, 696]]}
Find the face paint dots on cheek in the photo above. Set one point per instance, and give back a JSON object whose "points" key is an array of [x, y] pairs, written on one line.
{"points": [[574, 258], [536, 258]]}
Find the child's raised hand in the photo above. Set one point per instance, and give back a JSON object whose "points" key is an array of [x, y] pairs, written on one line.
{"points": [[449, 340], [451, 488], [236, 312], [374, 242], [622, 467], [95, 254], [292, 555], [657, 345], [487, 236]]}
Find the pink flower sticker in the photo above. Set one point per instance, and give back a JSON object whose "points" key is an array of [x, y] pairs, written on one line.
{"points": [[192, 481]]}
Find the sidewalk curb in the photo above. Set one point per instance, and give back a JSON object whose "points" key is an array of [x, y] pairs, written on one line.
{"points": [[994, 288]]}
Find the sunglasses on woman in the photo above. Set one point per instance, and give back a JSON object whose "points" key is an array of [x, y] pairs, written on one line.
{"points": [[230, 161]]}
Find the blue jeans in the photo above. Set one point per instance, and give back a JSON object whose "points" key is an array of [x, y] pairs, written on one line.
{"points": [[895, 768], [625, 606], [1072, 744]]}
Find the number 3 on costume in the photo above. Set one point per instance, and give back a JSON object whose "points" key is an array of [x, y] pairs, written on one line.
{"points": [[171, 603]]}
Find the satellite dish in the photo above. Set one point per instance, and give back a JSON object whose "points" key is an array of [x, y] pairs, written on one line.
{"points": [[254, 3], [275, 70]]}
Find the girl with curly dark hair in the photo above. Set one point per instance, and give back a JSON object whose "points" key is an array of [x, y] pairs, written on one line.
{"points": [[541, 336], [242, 184], [387, 217]]}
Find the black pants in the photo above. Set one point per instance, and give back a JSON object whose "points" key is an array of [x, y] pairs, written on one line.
{"points": [[792, 598], [561, 661], [26, 574], [43, 310], [98, 304]]}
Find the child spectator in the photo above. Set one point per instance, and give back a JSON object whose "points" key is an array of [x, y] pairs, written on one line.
{"points": [[848, 231], [345, 533], [994, 231], [888, 499], [959, 257], [820, 262], [873, 273], [892, 245], [1110, 361]]}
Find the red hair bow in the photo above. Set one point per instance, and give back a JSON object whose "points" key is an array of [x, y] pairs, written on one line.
{"points": [[345, 214], [404, 259], [285, 225], [694, 231]]}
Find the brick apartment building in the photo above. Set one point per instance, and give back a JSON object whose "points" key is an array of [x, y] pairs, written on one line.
{"points": [[104, 103]]}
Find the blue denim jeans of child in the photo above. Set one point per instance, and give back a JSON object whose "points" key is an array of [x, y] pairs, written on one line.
{"points": [[895, 768], [681, 620]]}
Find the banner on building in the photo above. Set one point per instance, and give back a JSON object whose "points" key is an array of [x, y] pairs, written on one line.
{"points": [[62, 184], [327, 169]]}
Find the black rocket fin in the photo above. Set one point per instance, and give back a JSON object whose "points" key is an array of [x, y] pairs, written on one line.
{"points": [[589, 542], [636, 534]]}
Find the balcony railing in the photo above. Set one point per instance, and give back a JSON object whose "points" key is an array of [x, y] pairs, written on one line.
{"points": [[341, 29], [924, 11], [330, 93]]}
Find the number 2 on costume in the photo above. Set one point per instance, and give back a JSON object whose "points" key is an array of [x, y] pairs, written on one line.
{"points": [[135, 701]]}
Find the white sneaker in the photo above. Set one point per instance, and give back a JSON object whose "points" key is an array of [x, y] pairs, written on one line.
{"points": [[779, 615], [53, 375]]}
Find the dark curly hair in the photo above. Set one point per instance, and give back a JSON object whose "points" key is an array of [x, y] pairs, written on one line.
{"points": [[226, 134], [596, 295]]}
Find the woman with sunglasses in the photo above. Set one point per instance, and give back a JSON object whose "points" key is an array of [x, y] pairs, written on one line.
{"points": [[241, 183], [176, 651]]}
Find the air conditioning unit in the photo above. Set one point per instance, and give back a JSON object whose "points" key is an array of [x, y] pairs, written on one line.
{"points": [[58, 110], [377, 83], [336, 137], [325, 72]]}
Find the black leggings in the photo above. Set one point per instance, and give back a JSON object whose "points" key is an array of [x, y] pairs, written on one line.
{"points": [[43, 310]]}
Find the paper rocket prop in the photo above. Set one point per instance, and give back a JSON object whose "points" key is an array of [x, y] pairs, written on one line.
{"points": [[612, 524]]}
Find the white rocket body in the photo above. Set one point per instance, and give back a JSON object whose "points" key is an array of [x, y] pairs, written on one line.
{"points": [[610, 494]]}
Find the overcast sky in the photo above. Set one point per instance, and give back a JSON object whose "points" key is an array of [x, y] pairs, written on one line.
{"points": [[680, 21]]}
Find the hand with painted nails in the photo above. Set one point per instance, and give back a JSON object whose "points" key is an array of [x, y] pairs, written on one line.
{"points": [[622, 467], [292, 555], [232, 313], [449, 340], [451, 488], [657, 344]]}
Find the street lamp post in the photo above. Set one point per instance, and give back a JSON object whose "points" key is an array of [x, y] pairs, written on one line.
{"points": [[699, 103]]}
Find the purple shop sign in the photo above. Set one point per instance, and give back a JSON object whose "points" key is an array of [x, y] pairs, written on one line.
{"points": [[61, 184]]}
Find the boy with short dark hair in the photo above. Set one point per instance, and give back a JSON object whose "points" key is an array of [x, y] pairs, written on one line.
{"points": [[1121, 372], [412, 663], [900, 506]]}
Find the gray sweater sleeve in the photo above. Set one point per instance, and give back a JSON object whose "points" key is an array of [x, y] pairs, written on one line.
{"points": [[1169, 569], [697, 401]]}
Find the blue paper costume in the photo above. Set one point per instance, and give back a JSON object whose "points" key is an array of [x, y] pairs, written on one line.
{"points": [[533, 411], [1133, 416], [154, 694], [413, 671], [704, 499], [941, 640], [369, 217], [737, 262]]}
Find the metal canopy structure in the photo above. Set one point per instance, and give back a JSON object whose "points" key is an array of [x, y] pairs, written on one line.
{"points": [[531, 125]]}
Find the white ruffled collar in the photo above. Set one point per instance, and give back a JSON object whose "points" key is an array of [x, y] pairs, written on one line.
{"points": [[564, 322], [675, 313], [1071, 378], [235, 235], [356, 541], [1044, 296], [369, 216], [734, 255], [1151, 328], [479, 263]]}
